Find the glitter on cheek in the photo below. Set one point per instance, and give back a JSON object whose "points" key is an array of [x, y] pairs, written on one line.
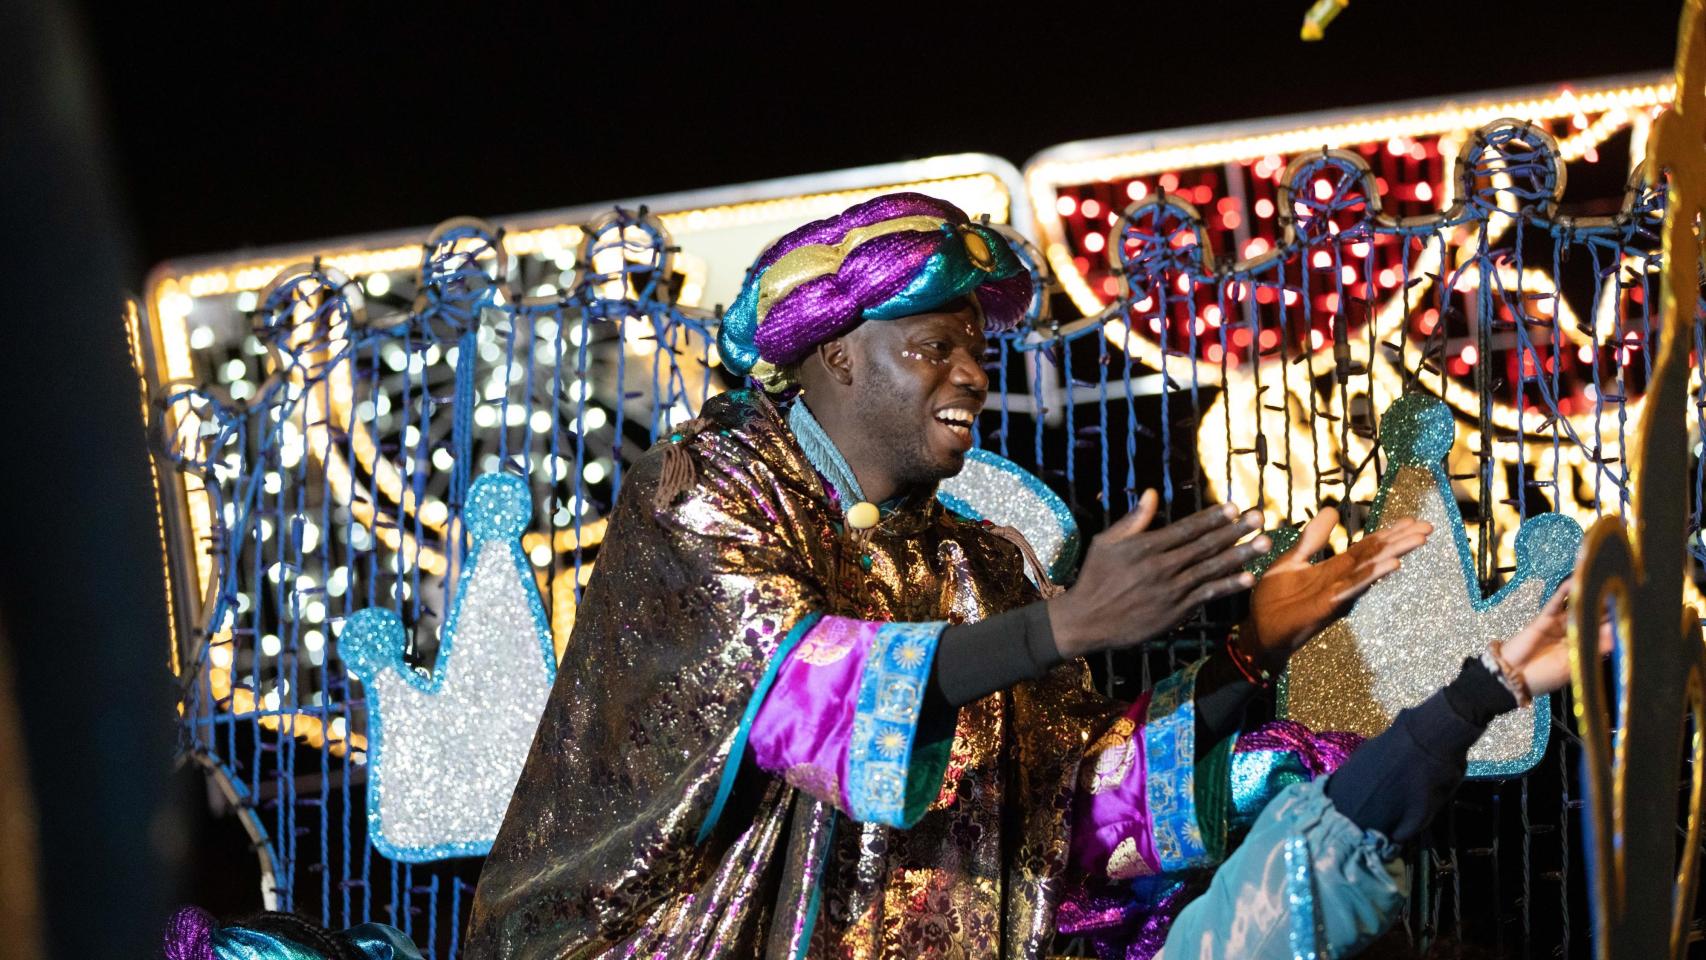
{"points": [[909, 354]]}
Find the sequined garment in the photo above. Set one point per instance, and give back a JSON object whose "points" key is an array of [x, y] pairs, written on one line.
{"points": [[598, 853]]}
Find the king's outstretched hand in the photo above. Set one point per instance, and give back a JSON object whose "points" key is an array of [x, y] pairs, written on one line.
{"points": [[1297, 599], [1138, 583]]}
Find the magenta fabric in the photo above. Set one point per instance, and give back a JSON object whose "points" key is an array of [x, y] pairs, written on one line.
{"points": [[834, 229], [804, 728], [1109, 807], [1319, 753], [883, 278], [825, 307], [1129, 918], [1118, 923], [189, 935]]}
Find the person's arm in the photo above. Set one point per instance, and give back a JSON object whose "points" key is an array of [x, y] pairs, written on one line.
{"points": [[977, 659], [1136, 583], [802, 731], [838, 716], [1222, 693], [1398, 782], [1350, 828]]}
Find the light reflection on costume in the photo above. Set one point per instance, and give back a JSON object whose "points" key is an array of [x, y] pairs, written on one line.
{"points": [[731, 762]]}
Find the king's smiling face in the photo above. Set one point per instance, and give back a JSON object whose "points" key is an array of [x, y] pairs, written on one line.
{"points": [[901, 396]]}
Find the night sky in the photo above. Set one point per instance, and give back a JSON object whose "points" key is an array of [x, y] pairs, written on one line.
{"points": [[268, 123]]}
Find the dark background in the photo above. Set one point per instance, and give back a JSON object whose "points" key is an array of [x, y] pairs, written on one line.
{"points": [[134, 132], [269, 122]]}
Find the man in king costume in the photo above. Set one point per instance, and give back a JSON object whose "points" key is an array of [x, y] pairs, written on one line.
{"points": [[806, 710]]}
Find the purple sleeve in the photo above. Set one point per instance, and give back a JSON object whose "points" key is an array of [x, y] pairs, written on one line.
{"points": [[841, 720], [1110, 823], [1147, 816], [1135, 812], [803, 728], [1149, 801]]}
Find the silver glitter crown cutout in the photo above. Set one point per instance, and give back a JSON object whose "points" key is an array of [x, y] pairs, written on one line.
{"points": [[445, 750], [1410, 633]]}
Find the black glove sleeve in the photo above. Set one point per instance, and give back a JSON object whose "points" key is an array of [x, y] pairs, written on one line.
{"points": [[974, 660]]}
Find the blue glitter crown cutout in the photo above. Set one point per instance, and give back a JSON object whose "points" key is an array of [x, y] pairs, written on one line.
{"points": [[445, 750], [1410, 633]]}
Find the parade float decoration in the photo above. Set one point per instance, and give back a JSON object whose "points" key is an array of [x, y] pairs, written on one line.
{"points": [[1222, 313]]}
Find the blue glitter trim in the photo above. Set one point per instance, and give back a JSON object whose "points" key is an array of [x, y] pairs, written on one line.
{"points": [[737, 749], [1258, 776], [1061, 565], [1306, 932], [1169, 745], [885, 722], [373, 639]]}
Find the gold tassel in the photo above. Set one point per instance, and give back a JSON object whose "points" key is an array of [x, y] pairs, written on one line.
{"points": [[1048, 588], [678, 474]]}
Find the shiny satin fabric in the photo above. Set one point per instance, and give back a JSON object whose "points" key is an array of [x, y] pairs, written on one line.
{"points": [[597, 853], [1306, 882], [842, 720], [1132, 919], [375, 941]]}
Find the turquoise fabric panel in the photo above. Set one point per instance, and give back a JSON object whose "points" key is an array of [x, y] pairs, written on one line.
{"points": [[1246, 913], [382, 942], [375, 940]]}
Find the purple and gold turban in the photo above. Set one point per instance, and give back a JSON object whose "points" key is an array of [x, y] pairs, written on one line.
{"points": [[894, 256]]}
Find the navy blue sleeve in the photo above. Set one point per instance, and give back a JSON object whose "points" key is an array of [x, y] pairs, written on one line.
{"points": [[1398, 782]]}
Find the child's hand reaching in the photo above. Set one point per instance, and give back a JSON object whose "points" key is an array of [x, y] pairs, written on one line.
{"points": [[1538, 651]]}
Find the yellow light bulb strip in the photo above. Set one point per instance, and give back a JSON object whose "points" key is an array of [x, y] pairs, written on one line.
{"points": [[1106, 161]]}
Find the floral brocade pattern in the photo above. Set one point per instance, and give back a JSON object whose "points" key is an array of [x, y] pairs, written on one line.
{"points": [[1111, 757], [934, 890], [813, 780], [829, 643], [597, 855]]}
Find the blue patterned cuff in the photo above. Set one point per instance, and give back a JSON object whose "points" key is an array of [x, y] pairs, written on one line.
{"points": [[1169, 744], [885, 723]]}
